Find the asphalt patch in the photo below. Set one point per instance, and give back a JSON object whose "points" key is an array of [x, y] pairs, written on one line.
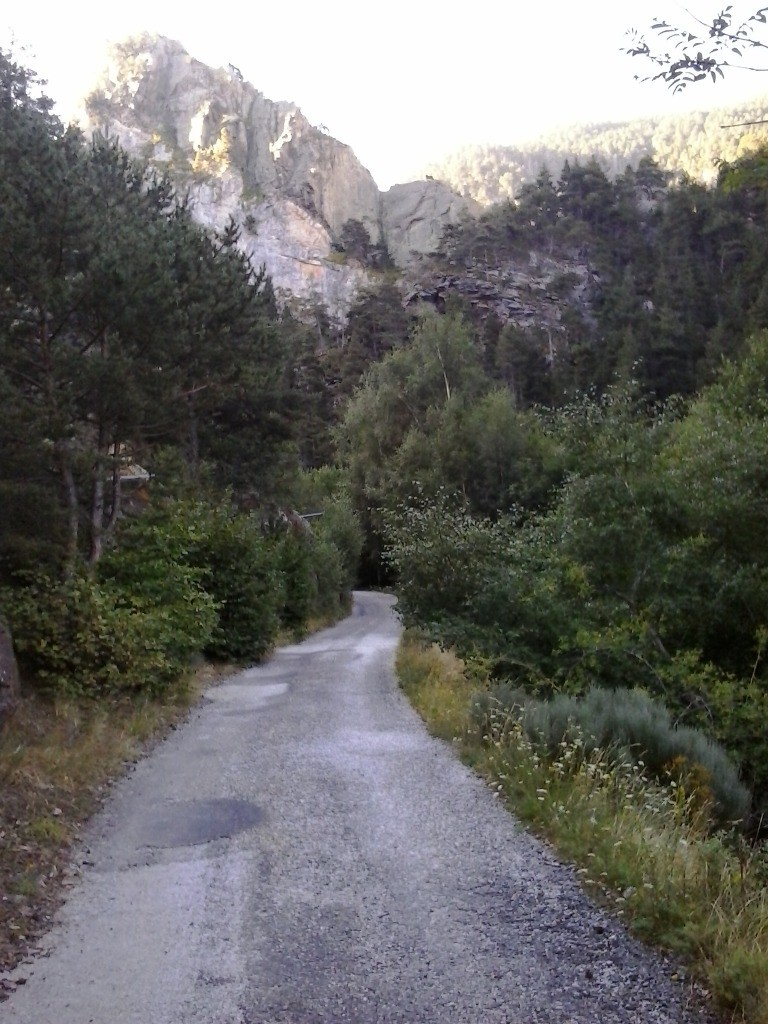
{"points": [[194, 822]]}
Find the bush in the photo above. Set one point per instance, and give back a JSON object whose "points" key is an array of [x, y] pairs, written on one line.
{"points": [[73, 638], [340, 526], [628, 725], [295, 562], [242, 575], [331, 593], [208, 572], [149, 572]]}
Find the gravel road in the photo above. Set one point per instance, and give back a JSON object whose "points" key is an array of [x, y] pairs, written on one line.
{"points": [[301, 852]]}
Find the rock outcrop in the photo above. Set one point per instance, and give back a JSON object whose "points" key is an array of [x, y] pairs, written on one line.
{"points": [[203, 120], [529, 292], [289, 185], [414, 216]]}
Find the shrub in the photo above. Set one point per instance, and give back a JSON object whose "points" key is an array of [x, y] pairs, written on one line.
{"points": [[242, 575], [74, 638], [207, 572], [331, 590], [740, 711], [294, 557], [149, 572], [628, 725], [340, 526]]}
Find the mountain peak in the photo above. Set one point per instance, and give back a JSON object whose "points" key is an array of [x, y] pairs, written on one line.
{"points": [[289, 184]]}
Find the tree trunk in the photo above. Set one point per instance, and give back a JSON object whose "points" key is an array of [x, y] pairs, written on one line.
{"points": [[73, 507], [97, 509], [9, 673]]}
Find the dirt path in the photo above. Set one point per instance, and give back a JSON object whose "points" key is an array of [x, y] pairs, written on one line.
{"points": [[302, 852]]}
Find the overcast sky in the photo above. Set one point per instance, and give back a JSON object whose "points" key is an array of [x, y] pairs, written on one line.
{"points": [[404, 81]]}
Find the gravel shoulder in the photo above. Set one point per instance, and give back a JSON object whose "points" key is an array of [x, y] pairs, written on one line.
{"points": [[302, 852]]}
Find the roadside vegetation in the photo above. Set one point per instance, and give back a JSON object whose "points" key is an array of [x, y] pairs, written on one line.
{"points": [[65, 742], [652, 847], [609, 613]]}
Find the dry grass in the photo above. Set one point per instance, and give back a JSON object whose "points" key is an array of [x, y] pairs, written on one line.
{"points": [[438, 685], [57, 761]]}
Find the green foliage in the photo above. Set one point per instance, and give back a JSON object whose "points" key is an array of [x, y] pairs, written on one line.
{"points": [[339, 527], [649, 568], [183, 577], [331, 586], [332, 539], [123, 327], [151, 571], [431, 539], [74, 638], [494, 589], [295, 558], [666, 273], [624, 724], [243, 578]]}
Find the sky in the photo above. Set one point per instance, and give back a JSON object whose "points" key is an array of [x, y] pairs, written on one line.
{"points": [[403, 82]]}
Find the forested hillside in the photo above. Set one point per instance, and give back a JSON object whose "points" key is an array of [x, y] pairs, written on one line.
{"points": [[689, 144], [648, 280]]}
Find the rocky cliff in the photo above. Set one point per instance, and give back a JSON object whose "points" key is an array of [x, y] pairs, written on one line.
{"points": [[532, 291], [289, 185], [414, 216]]}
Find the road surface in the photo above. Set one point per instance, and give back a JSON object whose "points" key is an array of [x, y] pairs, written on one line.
{"points": [[301, 852]]}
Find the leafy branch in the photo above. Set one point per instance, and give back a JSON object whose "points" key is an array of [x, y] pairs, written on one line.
{"points": [[705, 50]]}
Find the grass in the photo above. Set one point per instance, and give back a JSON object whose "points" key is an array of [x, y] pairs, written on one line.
{"points": [[56, 762], [438, 685], [646, 849]]}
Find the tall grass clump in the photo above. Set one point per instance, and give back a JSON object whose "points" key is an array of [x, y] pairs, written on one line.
{"points": [[436, 682], [645, 842]]}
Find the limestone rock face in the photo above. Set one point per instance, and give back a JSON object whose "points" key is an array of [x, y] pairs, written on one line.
{"points": [[292, 243], [289, 185], [158, 98], [415, 215]]}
